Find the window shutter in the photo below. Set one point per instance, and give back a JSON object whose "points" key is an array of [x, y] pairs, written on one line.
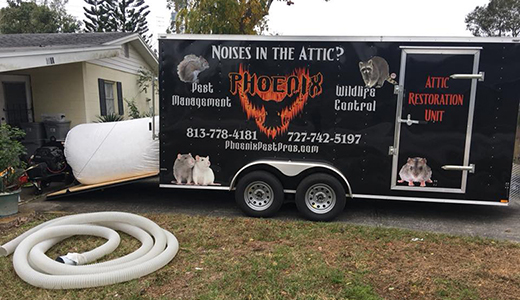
{"points": [[102, 102], [120, 104]]}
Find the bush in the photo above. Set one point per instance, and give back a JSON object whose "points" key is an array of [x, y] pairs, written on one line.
{"points": [[110, 118], [11, 166], [134, 111]]}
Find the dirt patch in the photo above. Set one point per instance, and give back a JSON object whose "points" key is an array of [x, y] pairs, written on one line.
{"points": [[10, 222]]}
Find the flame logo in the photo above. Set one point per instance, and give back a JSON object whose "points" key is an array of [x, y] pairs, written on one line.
{"points": [[277, 89]]}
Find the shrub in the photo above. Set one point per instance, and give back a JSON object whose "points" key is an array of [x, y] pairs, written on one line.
{"points": [[11, 166]]}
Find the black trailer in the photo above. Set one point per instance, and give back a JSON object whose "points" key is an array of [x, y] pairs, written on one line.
{"points": [[326, 118]]}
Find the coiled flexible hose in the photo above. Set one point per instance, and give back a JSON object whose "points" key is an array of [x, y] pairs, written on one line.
{"points": [[158, 248]]}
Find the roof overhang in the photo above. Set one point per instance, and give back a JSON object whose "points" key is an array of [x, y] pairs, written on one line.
{"points": [[35, 58], [141, 47]]}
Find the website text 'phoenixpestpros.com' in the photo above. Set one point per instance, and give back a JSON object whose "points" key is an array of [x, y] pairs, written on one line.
{"points": [[270, 147]]}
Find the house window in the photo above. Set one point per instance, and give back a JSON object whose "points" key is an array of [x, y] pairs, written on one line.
{"points": [[110, 97]]}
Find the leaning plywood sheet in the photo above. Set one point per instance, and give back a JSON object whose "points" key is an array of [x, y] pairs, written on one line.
{"points": [[82, 188]]}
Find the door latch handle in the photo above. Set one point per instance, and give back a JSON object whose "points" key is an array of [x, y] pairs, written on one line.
{"points": [[479, 76], [470, 168], [408, 120]]}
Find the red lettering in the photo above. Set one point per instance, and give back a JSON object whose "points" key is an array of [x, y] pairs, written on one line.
{"points": [[444, 84], [433, 115], [437, 82], [428, 83], [411, 98]]}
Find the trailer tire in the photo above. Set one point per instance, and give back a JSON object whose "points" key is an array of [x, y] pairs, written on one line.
{"points": [[259, 194], [320, 197]]}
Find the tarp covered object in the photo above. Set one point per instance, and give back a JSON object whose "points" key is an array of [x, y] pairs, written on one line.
{"points": [[101, 152]]}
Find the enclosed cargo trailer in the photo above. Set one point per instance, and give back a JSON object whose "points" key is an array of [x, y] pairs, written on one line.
{"points": [[330, 118]]}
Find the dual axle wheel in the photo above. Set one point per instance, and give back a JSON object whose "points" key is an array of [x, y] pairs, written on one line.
{"points": [[319, 197]]}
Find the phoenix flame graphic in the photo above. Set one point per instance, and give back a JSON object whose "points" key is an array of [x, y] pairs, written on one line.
{"points": [[277, 89]]}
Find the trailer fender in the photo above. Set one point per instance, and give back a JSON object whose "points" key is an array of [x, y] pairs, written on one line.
{"points": [[290, 169]]}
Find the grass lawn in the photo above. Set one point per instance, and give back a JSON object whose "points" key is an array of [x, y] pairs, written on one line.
{"points": [[242, 258]]}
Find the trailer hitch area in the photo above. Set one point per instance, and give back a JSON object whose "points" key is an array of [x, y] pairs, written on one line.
{"points": [[409, 121]]}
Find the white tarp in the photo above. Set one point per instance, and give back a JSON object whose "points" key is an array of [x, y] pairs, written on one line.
{"points": [[101, 152]]}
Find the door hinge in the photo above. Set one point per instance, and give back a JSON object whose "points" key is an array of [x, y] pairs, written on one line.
{"points": [[392, 150], [397, 89]]}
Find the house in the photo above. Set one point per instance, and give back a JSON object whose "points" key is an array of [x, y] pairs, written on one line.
{"points": [[79, 75]]}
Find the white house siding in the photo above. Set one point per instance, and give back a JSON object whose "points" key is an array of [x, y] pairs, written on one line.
{"points": [[93, 72], [132, 64], [72, 89], [56, 90]]}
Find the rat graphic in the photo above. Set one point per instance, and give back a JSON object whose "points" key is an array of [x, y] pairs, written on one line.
{"points": [[415, 170], [375, 72], [183, 168], [202, 173], [190, 67]]}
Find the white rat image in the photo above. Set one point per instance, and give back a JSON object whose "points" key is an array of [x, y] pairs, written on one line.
{"points": [[202, 173]]}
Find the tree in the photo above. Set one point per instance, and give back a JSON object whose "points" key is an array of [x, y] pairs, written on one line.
{"points": [[221, 16], [129, 16], [97, 15], [30, 17], [117, 15], [67, 22], [498, 18]]}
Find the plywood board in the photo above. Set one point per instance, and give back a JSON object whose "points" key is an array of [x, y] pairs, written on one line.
{"points": [[88, 187]]}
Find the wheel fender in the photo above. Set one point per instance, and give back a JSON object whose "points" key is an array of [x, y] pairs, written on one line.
{"points": [[290, 169]]}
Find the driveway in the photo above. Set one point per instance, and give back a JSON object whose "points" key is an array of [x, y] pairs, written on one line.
{"points": [[146, 197]]}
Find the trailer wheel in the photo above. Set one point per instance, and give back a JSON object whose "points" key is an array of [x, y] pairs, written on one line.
{"points": [[259, 194], [320, 197]]}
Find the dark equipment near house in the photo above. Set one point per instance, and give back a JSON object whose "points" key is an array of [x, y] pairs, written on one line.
{"points": [[47, 165], [34, 137]]}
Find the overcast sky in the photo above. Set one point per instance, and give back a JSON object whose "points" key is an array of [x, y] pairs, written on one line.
{"points": [[345, 17], [372, 17]]}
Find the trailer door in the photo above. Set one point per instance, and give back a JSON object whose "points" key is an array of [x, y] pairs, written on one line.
{"points": [[436, 99]]}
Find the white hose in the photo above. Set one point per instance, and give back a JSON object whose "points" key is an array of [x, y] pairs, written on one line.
{"points": [[158, 248]]}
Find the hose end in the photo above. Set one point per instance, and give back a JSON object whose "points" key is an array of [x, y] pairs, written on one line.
{"points": [[65, 260]]}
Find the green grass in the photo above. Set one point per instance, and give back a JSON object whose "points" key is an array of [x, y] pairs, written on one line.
{"points": [[241, 258], [455, 290]]}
